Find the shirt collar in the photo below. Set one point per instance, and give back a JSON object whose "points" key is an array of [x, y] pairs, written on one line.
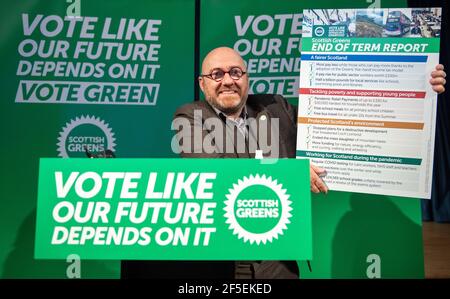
{"points": [[223, 116]]}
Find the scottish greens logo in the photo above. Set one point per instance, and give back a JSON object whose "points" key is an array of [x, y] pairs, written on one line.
{"points": [[257, 209], [85, 132], [319, 31]]}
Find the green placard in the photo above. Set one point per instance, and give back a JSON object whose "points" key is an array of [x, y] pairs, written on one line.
{"points": [[169, 209]]}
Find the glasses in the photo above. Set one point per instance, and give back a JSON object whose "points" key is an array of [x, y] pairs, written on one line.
{"points": [[218, 74]]}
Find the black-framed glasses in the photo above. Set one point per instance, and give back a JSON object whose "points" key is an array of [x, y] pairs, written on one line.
{"points": [[218, 74]]}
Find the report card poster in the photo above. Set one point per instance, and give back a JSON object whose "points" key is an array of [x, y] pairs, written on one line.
{"points": [[367, 112]]}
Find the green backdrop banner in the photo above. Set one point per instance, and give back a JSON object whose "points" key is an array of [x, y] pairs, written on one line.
{"points": [[110, 79], [170, 209], [86, 101]]}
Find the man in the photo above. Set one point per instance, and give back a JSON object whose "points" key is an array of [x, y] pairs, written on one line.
{"points": [[225, 83], [227, 98], [227, 102]]}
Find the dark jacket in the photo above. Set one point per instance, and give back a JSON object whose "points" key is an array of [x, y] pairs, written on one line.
{"points": [[261, 108]]}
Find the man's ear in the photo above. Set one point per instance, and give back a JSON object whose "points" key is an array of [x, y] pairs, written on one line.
{"points": [[200, 83]]}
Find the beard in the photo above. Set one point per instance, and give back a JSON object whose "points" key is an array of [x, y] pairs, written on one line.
{"points": [[228, 109]]}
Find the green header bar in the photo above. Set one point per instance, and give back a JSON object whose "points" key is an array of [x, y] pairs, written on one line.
{"points": [[360, 158], [365, 45]]}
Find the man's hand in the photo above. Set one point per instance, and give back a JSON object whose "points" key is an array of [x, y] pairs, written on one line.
{"points": [[317, 185], [437, 80]]}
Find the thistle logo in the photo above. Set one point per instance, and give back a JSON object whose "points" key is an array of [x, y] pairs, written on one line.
{"points": [[257, 209], [88, 132]]}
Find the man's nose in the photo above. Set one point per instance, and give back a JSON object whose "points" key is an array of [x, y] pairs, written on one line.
{"points": [[227, 80]]}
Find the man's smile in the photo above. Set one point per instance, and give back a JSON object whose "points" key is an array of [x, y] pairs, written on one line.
{"points": [[227, 92]]}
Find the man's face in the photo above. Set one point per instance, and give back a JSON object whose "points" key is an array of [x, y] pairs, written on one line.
{"points": [[228, 95]]}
